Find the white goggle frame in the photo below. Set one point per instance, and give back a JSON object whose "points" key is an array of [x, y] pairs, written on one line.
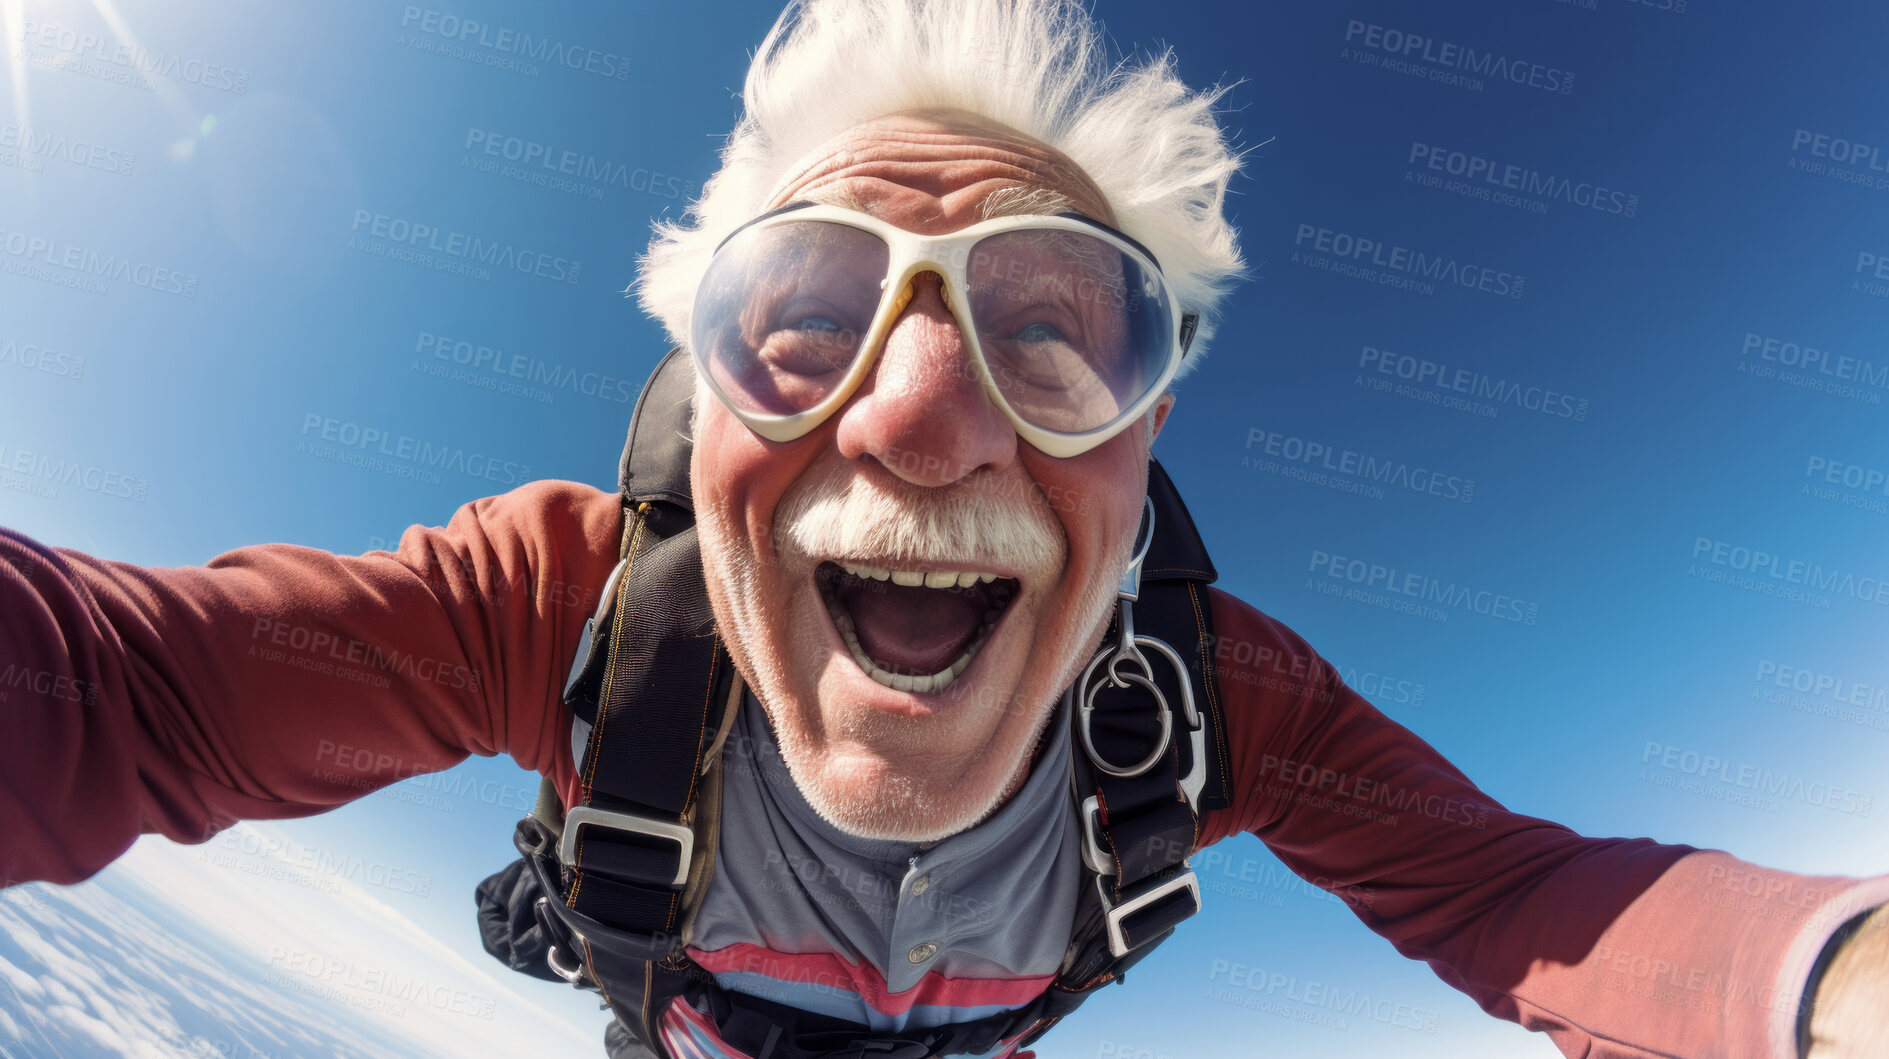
{"points": [[909, 254]]}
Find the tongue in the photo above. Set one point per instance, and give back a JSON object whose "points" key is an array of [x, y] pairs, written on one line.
{"points": [[913, 630]]}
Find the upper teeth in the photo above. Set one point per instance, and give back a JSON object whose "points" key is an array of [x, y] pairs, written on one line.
{"points": [[915, 578]]}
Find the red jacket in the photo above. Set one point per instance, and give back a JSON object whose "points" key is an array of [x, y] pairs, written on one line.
{"points": [[280, 681]]}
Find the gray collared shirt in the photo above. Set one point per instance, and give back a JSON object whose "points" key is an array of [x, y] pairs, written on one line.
{"points": [[884, 933]]}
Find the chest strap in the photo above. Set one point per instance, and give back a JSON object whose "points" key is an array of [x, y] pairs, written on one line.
{"points": [[652, 691]]}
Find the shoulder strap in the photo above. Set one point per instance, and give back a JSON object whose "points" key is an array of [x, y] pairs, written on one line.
{"points": [[1147, 760], [653, 690]]}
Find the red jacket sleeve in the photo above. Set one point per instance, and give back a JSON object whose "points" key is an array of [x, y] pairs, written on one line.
{"points": [[1614, 947], [280, 681]]}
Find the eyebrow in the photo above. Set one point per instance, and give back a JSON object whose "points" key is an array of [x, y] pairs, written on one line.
{"points": [[843, 197], [1018, 201], [1004, 202]]}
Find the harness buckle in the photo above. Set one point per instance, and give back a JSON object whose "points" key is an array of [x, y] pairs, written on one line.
{"points": [[590, 816], [1157, 902], [572, 972], [1099, 862]]}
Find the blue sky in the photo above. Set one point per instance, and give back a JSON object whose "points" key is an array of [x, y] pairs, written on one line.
{"points": [[1619, 368]]}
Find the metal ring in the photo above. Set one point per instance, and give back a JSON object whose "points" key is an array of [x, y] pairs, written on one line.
{"points": [[1129, 653], [1086, 711], [1180, 670]]}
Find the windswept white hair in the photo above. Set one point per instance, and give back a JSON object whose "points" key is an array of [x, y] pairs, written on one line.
{"points": [[1147, 141]]}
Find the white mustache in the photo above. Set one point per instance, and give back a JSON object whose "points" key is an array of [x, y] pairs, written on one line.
{"points": [[843, 515]]}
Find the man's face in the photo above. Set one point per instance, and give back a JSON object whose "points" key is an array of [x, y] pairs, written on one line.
{"points": [[918, 473]]}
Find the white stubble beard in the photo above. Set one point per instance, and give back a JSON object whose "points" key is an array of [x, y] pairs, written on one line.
{"points": [[833, 513]]}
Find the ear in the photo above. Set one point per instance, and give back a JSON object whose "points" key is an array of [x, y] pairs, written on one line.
{"points": [[1159, 415]]}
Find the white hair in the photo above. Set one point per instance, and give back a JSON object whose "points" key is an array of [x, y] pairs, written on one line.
{"points": [[1149, 143]]}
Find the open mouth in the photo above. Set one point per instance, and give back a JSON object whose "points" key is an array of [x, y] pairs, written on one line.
{"points": [[913, 630]]}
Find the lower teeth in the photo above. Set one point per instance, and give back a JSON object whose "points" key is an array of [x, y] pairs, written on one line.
{"points": [[903, 681]]}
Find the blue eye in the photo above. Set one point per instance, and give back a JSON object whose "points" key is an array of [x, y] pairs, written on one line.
{"points": [[816, 323], [1039, 333]]}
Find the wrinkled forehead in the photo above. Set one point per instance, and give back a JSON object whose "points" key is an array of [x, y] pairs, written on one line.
{"points": [[938, 171]]}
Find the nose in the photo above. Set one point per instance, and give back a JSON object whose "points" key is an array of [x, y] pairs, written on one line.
{"points": [[923, 412]]}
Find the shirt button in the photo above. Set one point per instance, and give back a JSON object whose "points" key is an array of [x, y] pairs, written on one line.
{"points": [[922, 951], [920, 885]]}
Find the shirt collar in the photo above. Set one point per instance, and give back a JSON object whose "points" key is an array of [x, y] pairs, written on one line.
{"points": [[1040, 795]]}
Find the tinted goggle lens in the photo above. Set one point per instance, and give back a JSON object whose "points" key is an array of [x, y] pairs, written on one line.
{"points": [[1074, 331]]}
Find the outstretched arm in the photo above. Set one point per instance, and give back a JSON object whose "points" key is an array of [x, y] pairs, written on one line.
{"points": [[279, 681], [1614, 947]]}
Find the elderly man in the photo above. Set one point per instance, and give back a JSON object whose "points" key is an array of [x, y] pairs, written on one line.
{"points": [[933, 303]]}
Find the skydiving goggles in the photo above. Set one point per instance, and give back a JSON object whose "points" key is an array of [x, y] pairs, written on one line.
{"points": [[1072, 329]]}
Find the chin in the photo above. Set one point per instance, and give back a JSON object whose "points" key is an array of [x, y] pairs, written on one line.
{"points": [[908, 646], [892, 755], [880, 761]]}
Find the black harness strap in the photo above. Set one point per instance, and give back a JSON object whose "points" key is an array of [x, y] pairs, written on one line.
{"points": [[651, 681], [1139, 830], [650, 688]]}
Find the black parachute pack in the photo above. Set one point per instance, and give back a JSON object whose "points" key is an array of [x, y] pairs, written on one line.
{"points": [[602, 893]]}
